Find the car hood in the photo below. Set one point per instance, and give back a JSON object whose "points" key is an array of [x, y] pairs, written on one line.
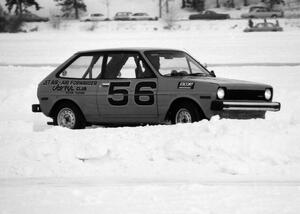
{"points": [[230, 83]]}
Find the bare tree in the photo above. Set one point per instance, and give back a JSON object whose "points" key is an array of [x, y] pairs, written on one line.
{"points": [[107, 8], [232, 4], [160, 8], [169, 14], [1, 10], [198, 5], [271, 3]]}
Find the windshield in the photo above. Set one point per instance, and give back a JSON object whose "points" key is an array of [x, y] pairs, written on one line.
{"points": [[175, 63]]}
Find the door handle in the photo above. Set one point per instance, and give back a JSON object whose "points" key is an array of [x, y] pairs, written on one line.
{"points": [[105, 84]]}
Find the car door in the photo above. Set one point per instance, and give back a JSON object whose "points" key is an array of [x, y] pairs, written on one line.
{"points": [[77, 81], [93, 17], [137, 16], [128, 90], [206, 15], [257, 13], [145, 16], [100, 17], [263, 13]]}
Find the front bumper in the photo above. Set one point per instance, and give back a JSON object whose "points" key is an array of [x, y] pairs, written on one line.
{"points": [[245, 106]]}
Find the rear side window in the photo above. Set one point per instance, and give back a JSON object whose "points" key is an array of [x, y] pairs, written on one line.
{"points": [[84, 67]]}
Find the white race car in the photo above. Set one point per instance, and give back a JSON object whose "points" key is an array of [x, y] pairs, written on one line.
{"points": [[142, 16], [94, 17]]}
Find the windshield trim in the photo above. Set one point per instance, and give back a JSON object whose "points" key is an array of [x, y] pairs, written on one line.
{"points": [[188, 57]]}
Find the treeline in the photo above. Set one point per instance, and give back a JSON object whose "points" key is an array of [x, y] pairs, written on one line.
{"points": [[12, 20], [69, 8]]}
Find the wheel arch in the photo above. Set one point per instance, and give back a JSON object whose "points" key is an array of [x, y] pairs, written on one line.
{"points": [[60, 102], [179, 100]]}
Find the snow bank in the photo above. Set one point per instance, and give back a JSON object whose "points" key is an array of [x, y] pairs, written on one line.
{"points": [[215, 149], [219, 149]]}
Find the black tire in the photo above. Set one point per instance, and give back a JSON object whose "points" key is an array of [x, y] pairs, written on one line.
{"points": [[274, 16], [71, 112], [187, 108]]}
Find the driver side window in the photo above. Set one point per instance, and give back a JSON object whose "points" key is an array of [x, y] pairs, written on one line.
{"points": [[172, 65]]}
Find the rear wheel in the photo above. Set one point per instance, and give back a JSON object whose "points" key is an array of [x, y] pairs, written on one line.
{"points": [[185, 113], [69, 116], [274, 16]]}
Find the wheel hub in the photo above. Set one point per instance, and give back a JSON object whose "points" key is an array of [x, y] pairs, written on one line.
{"points": [[183, 116], [66, 118]]}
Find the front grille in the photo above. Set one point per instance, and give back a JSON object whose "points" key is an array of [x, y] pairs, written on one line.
{"points": [[244, 95]]}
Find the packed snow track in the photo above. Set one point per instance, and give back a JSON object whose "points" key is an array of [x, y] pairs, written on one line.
{"points": [[210, 167]]}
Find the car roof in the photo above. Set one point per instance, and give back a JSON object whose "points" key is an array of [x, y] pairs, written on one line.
{"points": [[138, 49]]}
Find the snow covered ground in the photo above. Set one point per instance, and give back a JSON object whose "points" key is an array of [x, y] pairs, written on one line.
{"points": [[86, 196], [217, 166], [214, 42]]}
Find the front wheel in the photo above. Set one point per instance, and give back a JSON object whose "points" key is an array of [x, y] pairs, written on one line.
{"points": [[70, 116], [185, 113]]}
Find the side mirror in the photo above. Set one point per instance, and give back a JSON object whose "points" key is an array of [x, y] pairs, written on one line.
{"points": [[213, 73]]}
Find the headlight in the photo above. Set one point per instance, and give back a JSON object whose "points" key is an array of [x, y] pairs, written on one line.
{"points": [[221, 93], [268, 94]]}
